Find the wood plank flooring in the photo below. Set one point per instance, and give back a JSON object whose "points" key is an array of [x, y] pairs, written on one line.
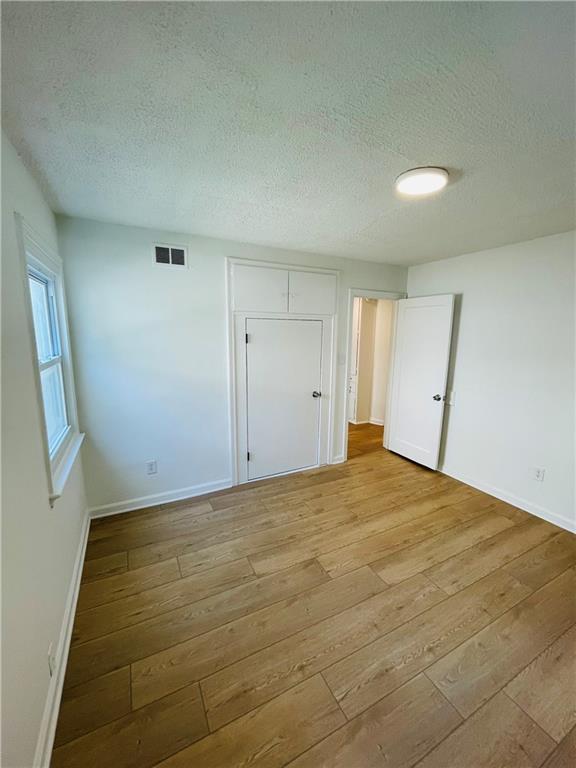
{"points": [[368, 615]]}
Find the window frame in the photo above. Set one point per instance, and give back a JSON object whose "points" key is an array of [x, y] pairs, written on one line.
{"points": [[56, 360], [39, 261]]}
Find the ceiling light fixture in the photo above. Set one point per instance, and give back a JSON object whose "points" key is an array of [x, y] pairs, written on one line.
{"points": [[421, 181]]}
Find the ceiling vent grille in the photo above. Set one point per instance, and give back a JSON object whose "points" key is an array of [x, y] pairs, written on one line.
{"points": [[170, 255]]}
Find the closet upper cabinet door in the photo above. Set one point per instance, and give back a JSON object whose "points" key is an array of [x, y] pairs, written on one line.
{"points": [[312, 293], [259, 289]]}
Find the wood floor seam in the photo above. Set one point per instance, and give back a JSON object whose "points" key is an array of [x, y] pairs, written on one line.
{"points": [[203, 706], [121, 597], [459, 527], [193, 601], [368, 536], [228, 541], [448, 595], [359, 648], [501, 567], [519, 704], [491, 621], [356, 616], [313, 513], [488, 736], [334, 697], [291, 632], [136, 624], [528, 715], [497, 693]]}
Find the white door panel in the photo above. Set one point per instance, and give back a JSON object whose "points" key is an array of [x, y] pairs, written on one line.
{"points": [[259, 288], [283, 369], [421, 357], [312, 293]]}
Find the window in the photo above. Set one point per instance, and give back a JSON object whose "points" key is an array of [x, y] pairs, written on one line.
{"points": [[54, 380], [43, 300]]}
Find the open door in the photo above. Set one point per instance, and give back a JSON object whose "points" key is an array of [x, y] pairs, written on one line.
{"points": [[419, 373], [354, 349]]}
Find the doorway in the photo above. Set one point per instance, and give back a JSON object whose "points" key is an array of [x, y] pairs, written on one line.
{"points": [[411, 378], [369, 373]]}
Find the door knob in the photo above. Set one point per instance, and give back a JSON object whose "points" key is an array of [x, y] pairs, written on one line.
{"points": [[437, 397], [316, 394]]}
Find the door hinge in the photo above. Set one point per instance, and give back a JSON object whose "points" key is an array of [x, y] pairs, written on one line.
{"points": [[248, 455], [247, 338]]}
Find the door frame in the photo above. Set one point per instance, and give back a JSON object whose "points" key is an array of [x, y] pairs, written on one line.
{"points": [[235, 382], [354, 356], [365, 293], [240, 420]]}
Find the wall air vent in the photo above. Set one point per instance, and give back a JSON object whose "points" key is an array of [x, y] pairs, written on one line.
{"points": [[170, 255]]}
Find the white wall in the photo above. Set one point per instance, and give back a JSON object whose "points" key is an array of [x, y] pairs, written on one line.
{"points": [[39, 544], [382, 343], [513, 371], [151, 360]]}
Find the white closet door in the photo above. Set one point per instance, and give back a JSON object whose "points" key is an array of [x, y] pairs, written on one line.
{"points": [[312, 293], [283, 371], [259, 289], [421, 357]]}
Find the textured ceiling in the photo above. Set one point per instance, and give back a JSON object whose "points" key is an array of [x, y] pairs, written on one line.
{"points": [[286, 123]]}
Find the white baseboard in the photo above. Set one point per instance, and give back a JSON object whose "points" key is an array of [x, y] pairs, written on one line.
{"points": [[517, 501], [159, 498], [340, 459], [47, 732], [377, 422]]}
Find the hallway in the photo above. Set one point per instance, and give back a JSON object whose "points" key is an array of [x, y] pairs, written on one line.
{"points": [[363, 439]]}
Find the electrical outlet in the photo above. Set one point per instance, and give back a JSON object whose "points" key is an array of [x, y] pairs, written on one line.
{"points": [[152, 467], [51, 660], [538, 473]]}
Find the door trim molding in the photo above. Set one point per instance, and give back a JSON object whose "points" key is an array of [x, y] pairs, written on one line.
{"points": [[362, 293]]}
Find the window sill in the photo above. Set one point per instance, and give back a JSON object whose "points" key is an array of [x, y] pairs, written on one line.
{"points": [[61, 471]]}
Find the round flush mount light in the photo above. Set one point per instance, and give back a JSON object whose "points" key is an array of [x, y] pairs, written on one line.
{"points": [[421, 181]]}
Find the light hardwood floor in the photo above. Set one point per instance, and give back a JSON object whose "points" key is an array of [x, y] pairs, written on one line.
{"points": [[372, 614], [364, 438]]}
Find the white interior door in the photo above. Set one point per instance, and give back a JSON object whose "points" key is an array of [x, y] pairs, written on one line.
{"points": [[283, 373], [421, 357]]}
